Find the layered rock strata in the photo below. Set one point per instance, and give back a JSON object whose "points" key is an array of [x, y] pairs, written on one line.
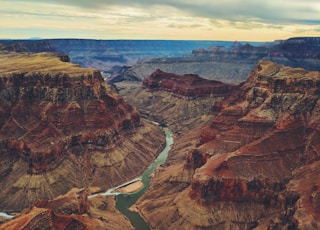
{"points": [[179, 101], [254, 166], [62, 126], [189, 85]]}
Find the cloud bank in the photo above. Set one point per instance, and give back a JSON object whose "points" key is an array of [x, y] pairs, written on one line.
{"points": [[180, 19]]}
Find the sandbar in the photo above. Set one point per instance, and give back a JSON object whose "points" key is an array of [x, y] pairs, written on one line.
{"points": [[130, 188]]}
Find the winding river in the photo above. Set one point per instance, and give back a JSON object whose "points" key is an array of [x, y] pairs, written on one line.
{"points": [[124, 201]]}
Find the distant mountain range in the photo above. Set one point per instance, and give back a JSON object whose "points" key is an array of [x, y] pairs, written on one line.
{"points": [[105, 54], [229, 63], [136, 59]]}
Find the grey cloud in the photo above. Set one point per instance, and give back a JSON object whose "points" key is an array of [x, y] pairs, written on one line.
{"points": [[263, 11], [271, 11]]}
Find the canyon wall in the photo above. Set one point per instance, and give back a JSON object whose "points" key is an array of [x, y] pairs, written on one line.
{"points": [[253, 166], [62, 126], [181, 102]]}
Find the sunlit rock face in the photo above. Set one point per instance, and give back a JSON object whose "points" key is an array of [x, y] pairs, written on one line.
{"points": [[255, 164], [62, 126]]}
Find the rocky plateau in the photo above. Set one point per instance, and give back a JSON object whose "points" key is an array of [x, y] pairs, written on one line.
{"points": [[255, 165]]}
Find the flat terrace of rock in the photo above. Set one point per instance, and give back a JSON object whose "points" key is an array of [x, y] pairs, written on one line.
{"points": [[51, 63]]}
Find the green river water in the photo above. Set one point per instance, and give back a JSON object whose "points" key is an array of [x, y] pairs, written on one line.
{"points": [[124, 201]]}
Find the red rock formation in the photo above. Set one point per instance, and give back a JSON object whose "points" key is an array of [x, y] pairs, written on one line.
{"points": [[62, 126], [190, 85], [256, 162], [179, 101], [258, 142], [48, 107]]}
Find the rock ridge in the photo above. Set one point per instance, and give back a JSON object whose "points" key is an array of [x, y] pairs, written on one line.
{"points": [[189, 85]]}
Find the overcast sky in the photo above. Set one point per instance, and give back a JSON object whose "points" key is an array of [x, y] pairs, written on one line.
{"points": [[243, 20]]}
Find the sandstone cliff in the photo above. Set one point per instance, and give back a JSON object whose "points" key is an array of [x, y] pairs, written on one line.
{"points": [[62, 126], [254, 166], [179, 101]]}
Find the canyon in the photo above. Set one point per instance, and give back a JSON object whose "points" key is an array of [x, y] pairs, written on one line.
{"points": [[254, 165], [63, 127], [245, 155]]}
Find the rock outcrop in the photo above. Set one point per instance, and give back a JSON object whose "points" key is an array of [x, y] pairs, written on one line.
{"points": [[179, 101], [62, 126], [254, 166], [70, 211]]}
